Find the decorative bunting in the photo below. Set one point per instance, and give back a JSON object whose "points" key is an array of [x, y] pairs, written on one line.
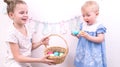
{"points": [[58, 27]]}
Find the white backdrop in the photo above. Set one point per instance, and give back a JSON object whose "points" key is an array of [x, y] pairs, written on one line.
{"points": [[58, 10]]}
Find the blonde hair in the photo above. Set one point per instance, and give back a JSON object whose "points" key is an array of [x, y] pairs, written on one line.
{"points": [[93, 5], [11, 4]]}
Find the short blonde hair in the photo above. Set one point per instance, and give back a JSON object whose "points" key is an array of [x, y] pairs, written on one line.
{"points": [[93, 5]]}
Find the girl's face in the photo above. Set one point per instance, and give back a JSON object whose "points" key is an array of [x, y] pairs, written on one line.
{"points": [[89, 16], [20, 14]]}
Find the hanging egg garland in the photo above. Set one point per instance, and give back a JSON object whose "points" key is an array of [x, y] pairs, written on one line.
{"points": [[51, 27]]}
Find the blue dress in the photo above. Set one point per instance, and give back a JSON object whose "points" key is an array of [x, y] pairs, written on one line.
{"points": [[91, 54]]}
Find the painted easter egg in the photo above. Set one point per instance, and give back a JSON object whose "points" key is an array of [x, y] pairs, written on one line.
{"points": [[75, 32], [50, 52], [82, 32], [56, 53], [61, 54]]}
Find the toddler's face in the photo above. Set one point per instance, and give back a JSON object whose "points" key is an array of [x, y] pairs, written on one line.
{"points": [[20, 14], [89, 16]]}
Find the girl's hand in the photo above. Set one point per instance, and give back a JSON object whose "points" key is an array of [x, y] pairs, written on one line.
{"points": [[45, 41], [47, 61]]}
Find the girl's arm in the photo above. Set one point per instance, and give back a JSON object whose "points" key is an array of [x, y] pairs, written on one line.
{"points": [[20, 58], [36, 45], [43, 41]]}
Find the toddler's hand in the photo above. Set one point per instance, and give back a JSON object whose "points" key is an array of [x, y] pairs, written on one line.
{"points": [[83, 34]]}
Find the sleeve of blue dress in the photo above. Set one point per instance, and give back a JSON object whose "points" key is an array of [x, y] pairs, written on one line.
{"points": [[102, 29], [81, 25]]}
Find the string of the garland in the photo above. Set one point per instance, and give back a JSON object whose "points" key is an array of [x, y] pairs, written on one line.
{"points": [[38, 21], [58, 27]]}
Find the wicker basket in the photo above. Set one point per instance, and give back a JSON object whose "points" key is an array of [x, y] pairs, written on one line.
{"points": [[57, 59]]}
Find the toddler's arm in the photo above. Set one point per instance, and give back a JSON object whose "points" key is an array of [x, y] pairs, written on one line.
{"points": [[98, 39]]}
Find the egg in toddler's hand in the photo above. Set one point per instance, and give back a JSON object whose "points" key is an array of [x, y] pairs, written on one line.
{"points": [[82, 32], [75, 32]]}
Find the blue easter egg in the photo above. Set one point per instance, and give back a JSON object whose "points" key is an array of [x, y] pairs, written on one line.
{"points": [[75, 32], [56, 53]]}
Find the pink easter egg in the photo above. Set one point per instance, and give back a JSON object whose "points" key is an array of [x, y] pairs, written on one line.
{"points": [[50, 52]]}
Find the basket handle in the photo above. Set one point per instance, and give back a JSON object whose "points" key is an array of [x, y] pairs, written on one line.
{"points": [[61, 38]]}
